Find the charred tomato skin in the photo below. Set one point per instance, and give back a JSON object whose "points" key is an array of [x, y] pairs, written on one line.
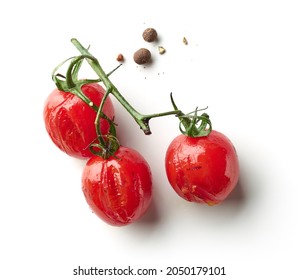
{"points": [[202, 169], [118, 189], [70, 122]]}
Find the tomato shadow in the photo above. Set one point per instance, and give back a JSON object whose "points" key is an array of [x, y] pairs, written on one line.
{"points": [[221, 216], [238, 196], [233, 206], [152, 217]]}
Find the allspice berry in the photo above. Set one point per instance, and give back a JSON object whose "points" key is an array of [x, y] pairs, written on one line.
{"points": [[142, 56], [150, 35]]}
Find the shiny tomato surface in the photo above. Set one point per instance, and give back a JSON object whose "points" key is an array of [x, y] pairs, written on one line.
{"points": [[70, 122], [119, 189], [202, 169]]}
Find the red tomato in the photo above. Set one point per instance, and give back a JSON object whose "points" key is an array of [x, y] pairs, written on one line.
{"points": [[119, 189], [202, 169], [70, 121]]}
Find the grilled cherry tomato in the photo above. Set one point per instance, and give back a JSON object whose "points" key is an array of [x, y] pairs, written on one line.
{"points": [[70, 122], [118, 189], [202, 169]]}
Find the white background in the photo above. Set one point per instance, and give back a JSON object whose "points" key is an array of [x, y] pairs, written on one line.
{"points": [[242, 61]]}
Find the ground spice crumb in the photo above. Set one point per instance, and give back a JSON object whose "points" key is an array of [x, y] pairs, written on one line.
{"points": [[185, 41], [162, 50], [120, 58]]}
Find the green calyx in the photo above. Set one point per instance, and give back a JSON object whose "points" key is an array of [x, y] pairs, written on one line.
{"points": [[108, 144], [192, 124]]}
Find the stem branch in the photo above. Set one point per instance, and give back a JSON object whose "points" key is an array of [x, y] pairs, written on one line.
{"points": [[142, 120]]}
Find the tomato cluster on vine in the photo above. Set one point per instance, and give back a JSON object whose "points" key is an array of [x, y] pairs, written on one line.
{"points": [[201, 164]]}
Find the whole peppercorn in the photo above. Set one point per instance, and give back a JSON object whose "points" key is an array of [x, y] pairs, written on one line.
{"points": [[150, 35], [142, 56]]}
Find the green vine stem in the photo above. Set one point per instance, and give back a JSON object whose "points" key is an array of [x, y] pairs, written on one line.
{"points": [[142, 120], [106, 145], [70, 82]]}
